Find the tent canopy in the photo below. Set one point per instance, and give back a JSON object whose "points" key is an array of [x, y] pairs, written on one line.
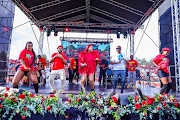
{"points": [[95, 16]]}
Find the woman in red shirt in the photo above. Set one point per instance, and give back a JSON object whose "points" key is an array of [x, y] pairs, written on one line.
{"points": [[162, 63], [27, 58], [87, 65]]}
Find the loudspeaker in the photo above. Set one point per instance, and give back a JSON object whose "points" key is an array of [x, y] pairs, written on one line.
{"points": [[124, 98], [21, 91]]}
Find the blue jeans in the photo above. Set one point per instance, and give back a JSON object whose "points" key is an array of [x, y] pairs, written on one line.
{"points": [[132, 74], [122, 73]]}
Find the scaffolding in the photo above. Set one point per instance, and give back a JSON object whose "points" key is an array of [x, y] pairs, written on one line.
{"points": [[175, 10]]}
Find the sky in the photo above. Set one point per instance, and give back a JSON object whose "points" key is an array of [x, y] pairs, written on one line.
{"points": [[147, 49]]}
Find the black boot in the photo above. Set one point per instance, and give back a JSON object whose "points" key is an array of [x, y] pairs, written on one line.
{"points": [[165, 86], [36, 88]]}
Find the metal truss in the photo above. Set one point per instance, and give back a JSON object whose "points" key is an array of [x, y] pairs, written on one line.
{"points": [[41, 40], [75, 18], [124, 7], [175, 10], [87, 10], [46, 5], [89, 31], [99, 19], [25, 11], [5, 6], [100, 25], [111, 15], [68, 12], [131, 44], [155, 5], [94, 40]]}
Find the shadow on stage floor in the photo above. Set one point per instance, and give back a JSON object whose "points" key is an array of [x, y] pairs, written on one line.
{"points": [[74, 89]]}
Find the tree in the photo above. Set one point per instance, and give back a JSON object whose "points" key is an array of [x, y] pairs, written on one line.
{"points": [[150, 61], [45, 57]]}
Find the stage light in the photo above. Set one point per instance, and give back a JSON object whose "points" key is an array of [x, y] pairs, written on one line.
{"points": [[125, 35], [48, 33], [66, 29], [108, 31], [53, 28], [118, 33], [41, 28], [55, 33], [6, 29], [132, 31]]}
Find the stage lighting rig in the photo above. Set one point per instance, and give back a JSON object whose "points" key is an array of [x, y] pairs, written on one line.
{"points": [[125, 35], [53, 29], [48, 33], [41, 28], [118, 33], [55, 33], [132, 31], [108, 31], [66, 29]]}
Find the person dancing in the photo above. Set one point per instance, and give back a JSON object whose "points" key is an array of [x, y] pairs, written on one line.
{"points": [[162, 63], [87, 65], [27, 58], [58, 60]]}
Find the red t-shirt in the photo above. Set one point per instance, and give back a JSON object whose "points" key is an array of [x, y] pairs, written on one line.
{"points": [[73, 64], [163, 61], [131, 64], [42, 60], [28, 58], [58, 62]]}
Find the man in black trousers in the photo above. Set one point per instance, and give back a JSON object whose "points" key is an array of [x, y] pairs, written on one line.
{"points": [[103, 69]]}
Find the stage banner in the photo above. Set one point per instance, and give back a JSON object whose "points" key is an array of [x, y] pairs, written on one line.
{"points": [[72, 49]]}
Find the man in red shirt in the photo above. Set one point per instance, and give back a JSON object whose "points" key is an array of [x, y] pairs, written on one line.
{"points": [[58, 61], [72, 67], [41, 62], [131, 65]]}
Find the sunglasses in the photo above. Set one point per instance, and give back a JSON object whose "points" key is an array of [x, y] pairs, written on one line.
{"points": [[118, 48]]}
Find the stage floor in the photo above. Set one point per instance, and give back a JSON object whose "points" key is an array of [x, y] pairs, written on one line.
{"points": [[75, 89]]}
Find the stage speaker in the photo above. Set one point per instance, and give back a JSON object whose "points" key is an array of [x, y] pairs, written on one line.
{"points": [[21, 91], [123, 98]]}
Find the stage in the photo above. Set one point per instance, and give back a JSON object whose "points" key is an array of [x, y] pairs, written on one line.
{"points": [[75, 89]]}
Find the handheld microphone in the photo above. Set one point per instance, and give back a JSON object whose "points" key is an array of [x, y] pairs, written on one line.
{"points": [[81, 66]]}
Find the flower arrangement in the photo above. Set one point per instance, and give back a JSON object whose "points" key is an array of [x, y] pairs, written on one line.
{"points": [[94, 105], [163, 105], [27, 103]]}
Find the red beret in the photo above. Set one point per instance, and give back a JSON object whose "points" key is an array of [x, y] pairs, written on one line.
{"points": [[59, 46], [166, 49]]}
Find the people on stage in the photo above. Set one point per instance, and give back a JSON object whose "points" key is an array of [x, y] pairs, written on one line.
{"points": [[27, 58], [72, 67], [103, 69], [58, 61], [87, 65], [119, 62], [162, 62], [131, 65], [41, 62], [76, 72], [45, 74]]}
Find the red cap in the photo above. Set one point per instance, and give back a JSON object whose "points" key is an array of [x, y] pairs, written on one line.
{"points": [[166, 49], [59, 46], [131, 55]]}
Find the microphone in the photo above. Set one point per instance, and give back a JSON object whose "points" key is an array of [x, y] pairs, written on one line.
{"points": [[81, 66]]}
